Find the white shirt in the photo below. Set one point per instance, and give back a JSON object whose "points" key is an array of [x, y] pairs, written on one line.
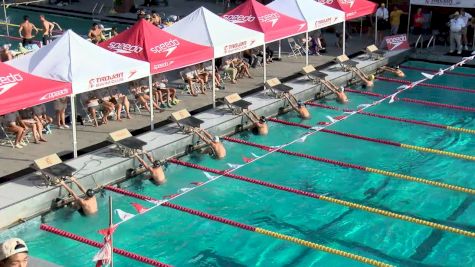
{"points": [[465, 18], [382, 13], [456, 24]]}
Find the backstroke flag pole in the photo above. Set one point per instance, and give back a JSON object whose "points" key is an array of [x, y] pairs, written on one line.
{"points": [[73, 124], [111, 223]]}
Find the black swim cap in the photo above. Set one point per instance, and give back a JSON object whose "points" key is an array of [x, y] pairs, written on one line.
{"points": [[90, 193], [26, 18]]}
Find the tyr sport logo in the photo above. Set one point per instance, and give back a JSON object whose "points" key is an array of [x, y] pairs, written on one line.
{"points": [[124, 48], [8, 81], [167, 47]]}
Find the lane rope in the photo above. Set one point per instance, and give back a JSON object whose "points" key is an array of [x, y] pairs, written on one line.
{"points": [[252, 228], [380, 141], [93, 243], [429, 124], [439, 86], [435, 71], [345, 203], [358, 167], [411, 100]]}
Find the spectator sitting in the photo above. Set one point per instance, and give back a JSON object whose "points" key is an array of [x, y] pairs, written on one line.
{"points": [[229, 68], [11, 121], [191, 77], [317, 44], [202, 73], [251, 57], [242, 67], [92, 103], [6, 54], [140, 93], [156, 19], [119, 100], [13, 253], [39, 113], [107, 106], [164, 94], [27, 121]]}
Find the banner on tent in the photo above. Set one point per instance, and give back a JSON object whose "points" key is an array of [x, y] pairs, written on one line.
{"points": [[396, 42], [445, 3], [238, 47], [322, 23], [112, 79]]}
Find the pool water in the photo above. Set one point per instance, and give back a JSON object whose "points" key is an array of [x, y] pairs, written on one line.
{"points": [[80, 26], [180, 239]]}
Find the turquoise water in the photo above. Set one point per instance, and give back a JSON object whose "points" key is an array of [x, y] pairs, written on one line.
{"points": [[78, 25], [181, 239]]}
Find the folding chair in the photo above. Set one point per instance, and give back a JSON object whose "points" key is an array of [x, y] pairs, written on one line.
{"points": [[7, 137], [127, 144], [195, 86], [277, 88], [236, 104], [185, 121], [295, 48], [346, 63], [52, 168], [373, 52]]}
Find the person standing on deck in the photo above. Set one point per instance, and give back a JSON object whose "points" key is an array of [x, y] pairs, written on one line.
{"points": [[395, 19], [456, 24], [47, 29], [26, 31], [466, 17]]}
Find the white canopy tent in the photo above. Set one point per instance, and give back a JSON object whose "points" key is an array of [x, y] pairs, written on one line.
{"points": [[206, 28], [316, 15], [86, 66]]}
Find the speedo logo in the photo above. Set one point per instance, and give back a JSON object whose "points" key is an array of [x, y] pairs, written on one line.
{"points": [[272, 17], [55, 94], [347, 2], [168, 47], [396, 41], [8, 81], [239, 18], [124, 48]]}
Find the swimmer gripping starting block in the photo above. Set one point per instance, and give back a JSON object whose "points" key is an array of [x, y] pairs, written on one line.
{"points": [[51, 168], [236, 104], [312, 74], [127, 144], [185, 121], [346, 63], [277, 88], [373, 52]]}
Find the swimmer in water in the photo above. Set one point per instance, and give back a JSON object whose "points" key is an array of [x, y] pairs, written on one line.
{"points": [[258, 122], [88, 204], [217, 148], [397, 71], [156, 171]]}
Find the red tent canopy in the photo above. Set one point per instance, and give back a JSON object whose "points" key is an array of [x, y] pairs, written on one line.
{"points": [[19, 90], [163, 51], [255, 16], [352, 8]]}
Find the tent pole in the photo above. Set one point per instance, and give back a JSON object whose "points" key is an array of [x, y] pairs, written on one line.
{"points": [[73, 124], [265, 64], [344, 37], [150, 94], [111, 223], [408, 20], [361, 27], [280, 48], [213, 65], [376, 31], [306, 48], [5, 15]]}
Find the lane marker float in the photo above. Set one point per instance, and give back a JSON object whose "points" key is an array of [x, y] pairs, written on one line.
{"points": [[380, 141], [355, 166], [438, 86], [93, 243], [435, 71], [429, 124], [411, 100], [345, 203], [252, 228]]}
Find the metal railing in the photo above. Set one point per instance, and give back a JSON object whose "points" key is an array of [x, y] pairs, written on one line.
{"points": [[431, 41], [421, 40]]}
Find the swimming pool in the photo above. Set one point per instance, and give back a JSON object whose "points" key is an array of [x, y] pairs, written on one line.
{"points": [[80, 26], [181, 239]]}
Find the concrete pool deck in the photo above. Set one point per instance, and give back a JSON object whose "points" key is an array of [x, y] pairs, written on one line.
{"points": [[28, 197]]}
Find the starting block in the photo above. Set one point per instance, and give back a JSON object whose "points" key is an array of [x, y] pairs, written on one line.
{"points": [[52, 168], [236, 104], [127, 144], [185, 121]]}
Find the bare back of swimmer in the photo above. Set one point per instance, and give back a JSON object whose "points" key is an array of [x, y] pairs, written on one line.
{"points": [[156, 171], [88, 204], [303, 111], [341, 96], [217, 148]]}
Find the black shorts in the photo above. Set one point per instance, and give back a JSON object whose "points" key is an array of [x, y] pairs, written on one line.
{"points": [[383, 25], [27, 41], [46, 38]]}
